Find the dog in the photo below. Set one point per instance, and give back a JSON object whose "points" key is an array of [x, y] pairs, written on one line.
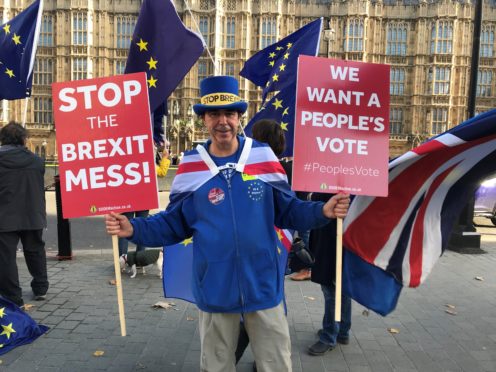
{"points": [[135, 260]]}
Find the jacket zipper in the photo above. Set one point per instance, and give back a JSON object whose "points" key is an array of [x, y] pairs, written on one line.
{"points": [[228, 179]]}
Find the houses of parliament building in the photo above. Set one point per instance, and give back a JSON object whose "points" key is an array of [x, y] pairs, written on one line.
{"points": [[427, 43]]}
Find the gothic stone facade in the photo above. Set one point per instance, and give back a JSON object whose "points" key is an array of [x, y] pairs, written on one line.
{"points": [[427, 43]]}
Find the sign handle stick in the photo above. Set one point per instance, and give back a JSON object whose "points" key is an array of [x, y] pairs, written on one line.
{"points": [[339, 269], [118, 284]]}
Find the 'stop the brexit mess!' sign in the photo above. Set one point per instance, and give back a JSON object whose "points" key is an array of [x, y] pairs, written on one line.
{"points": [[105, 146], [341, 127]]}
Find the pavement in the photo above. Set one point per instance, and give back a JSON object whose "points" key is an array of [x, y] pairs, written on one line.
{"points": [[422, 334]]}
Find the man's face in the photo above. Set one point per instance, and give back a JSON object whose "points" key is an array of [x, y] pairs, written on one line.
{"points": [[222, 126]]}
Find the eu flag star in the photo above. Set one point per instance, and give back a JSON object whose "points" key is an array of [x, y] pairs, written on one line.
{"points": [[277, 103], [284, 126], [187, 241], [152, 82], [152, 64], [142, 45], [275, 77], [271, 63], [9, 72], [286, 111], [2, 312], [16, 39], [284, 53], [6, 28], [7, 330]]}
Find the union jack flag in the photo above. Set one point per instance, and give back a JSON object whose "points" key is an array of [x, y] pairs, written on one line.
{"points": [[405, 233], [196, 168]]}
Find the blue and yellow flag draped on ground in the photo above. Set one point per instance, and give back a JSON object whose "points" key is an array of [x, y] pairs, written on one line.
{"points": [[274, 69], [16, 327], [18, 42], [163, 48]]}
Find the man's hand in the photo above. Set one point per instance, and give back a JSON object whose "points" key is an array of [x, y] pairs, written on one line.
{"points": [[337, 206], [118, 224]]}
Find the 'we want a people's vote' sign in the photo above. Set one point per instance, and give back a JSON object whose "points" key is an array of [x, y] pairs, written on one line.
{"points": [[105, 145], [341, 127]]}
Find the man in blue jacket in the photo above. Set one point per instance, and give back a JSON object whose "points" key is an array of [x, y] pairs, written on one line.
{"points": [[227, 196]]}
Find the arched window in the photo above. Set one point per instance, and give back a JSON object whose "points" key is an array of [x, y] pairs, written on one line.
{"points": [[124, 31], [353, 36], [395, 120], [439, 120], [397, 81], [484, 83], [269, 32], [46, 31], [442, 37], [396, 39], [230, 32], [487, 41], [80, 28]]}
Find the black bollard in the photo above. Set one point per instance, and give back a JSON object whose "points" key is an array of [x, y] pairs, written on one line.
{"points": [[465, 238], [63, 226]]}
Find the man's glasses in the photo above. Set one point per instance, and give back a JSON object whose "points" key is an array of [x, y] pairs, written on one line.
{"points": [[230, 114]]}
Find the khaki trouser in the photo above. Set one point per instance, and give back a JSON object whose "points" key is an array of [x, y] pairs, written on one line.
{"points": [[269, 339]]}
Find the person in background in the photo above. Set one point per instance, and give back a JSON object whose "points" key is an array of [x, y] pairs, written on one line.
{"points": [[323, 246], [22, 214], [230, 215], [162, 164], [270, 132]]}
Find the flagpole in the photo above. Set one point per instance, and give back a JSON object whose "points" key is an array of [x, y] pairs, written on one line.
{"points": [[199, 32], [339, 269], [118, 284]]}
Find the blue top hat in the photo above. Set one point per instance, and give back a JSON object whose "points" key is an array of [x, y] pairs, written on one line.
{"points": [[219, 92]]}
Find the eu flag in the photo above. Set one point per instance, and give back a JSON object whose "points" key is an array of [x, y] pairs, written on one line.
{"points": [[16, 327], [274, 67], [280, 108], [162, 47], [18, 41]]}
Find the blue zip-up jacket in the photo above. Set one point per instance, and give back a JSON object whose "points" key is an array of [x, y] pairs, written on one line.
{"points": [[235, 267]]}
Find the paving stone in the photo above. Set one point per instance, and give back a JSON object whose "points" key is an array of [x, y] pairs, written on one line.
{"points": [[82, 312]]}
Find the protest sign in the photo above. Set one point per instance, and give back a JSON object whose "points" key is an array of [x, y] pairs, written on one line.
{"points": [[105, 147], [341, 127]]}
